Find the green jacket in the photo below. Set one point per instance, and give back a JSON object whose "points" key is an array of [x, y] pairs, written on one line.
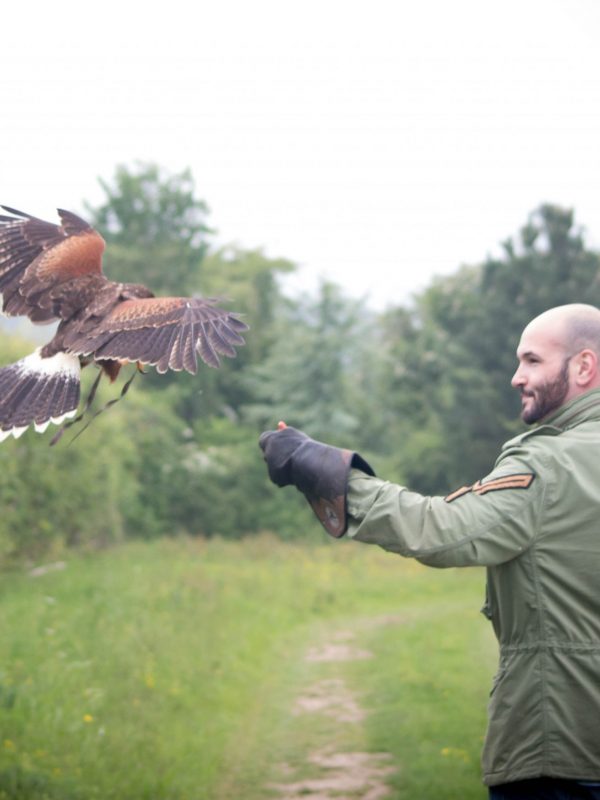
{"points": [[534, 522]]}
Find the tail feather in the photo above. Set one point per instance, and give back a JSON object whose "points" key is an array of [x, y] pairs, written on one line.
{"points": [[55, 397], [38, 391]]}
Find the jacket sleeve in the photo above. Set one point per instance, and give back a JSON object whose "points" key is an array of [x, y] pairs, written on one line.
{"points": [[486, 524]]}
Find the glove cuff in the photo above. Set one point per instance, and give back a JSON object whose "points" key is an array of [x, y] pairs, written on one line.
{"points": [[332, 512]]}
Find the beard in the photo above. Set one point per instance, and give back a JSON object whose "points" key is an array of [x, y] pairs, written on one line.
{"points": [[550, 396]]}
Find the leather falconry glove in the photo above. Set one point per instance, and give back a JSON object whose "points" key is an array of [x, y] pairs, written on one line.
{"points": [[318, 470]]}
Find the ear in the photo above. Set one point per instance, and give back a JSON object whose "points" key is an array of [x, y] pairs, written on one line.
{"points": [[586, 368]]}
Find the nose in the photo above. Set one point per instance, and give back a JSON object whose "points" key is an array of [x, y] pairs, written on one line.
{"points": [[518, 379]]}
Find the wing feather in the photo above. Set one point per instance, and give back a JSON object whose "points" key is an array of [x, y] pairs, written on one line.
{"points": [[219, 343], [177, 353], [190, 361], [36, 256], [36, 232], [129, 342], [162, 364], [152, 342], [230, 335], [166, 332], [158, 341], [205, 348]]}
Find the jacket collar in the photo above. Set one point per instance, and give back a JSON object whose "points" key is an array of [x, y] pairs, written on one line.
{"points": [[584, 408]]}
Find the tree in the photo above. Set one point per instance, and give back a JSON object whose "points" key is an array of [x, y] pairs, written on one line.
{"points": [[307, 379], [155, 229], [456, 353], [247, 280]]}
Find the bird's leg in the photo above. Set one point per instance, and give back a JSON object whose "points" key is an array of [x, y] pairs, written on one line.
{"points": [[91, 396], [79, 417]]}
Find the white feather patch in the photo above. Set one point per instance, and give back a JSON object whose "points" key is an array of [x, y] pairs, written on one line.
{"points": [[60, 363], [62, 368], [41, 427]]}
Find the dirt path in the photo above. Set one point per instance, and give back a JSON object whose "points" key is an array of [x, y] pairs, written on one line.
{"points": [[328, 773]]}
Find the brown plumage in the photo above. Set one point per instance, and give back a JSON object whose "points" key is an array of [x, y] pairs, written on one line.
{"points": [[54, 273]]}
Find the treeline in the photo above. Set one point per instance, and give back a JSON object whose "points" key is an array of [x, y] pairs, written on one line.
{"points": [[421, 390]]}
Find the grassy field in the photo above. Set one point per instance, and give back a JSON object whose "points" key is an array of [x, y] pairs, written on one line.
{"points": [[169, 671]]}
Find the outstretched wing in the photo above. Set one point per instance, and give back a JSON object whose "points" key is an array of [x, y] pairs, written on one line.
{"points": [[166, 332], [37, 256]]}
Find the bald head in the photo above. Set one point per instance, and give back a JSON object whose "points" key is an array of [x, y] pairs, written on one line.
{"points": [[559, 359], [573, 327]]}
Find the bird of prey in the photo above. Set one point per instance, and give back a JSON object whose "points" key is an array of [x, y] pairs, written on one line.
{"points": [[53, 273]]}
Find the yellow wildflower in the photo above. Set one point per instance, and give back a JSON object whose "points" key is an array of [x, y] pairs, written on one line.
{"points": [[455, 752]]}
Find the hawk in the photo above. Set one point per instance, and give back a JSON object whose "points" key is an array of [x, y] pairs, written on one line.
{"points": [[53, 273]]}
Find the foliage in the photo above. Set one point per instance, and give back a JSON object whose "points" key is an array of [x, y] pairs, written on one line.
{"points": [[307, 378], [155, 228], [247, 282]]}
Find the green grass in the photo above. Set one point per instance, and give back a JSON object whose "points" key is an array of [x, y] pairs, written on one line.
{"points": [[167, 671], [429, 698]]}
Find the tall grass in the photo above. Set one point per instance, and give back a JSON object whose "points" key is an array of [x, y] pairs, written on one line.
{"points": [[167, 670]]}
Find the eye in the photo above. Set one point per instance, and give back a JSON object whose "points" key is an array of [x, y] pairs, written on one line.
{"points": [[531, 359]]}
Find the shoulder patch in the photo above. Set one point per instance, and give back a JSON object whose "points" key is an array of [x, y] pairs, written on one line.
{"points": [[520, 480], [457, 493]]}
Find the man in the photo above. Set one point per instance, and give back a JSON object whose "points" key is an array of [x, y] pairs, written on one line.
{"points": [[534, 522]]}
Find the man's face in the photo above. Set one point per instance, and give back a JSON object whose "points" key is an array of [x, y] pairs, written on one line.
{"points": [[542, 376]]}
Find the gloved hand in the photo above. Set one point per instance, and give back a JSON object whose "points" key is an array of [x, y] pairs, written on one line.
{"points": [[318, 470]]}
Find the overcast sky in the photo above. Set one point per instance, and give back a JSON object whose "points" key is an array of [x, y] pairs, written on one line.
{"points": [[374, 143]]}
